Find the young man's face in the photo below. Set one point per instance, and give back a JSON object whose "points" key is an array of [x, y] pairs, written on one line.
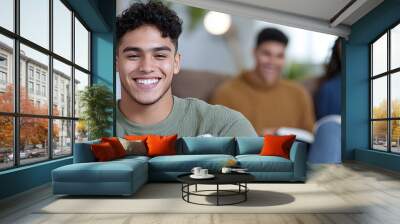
{"points": [[146, 63], [270, 61]]}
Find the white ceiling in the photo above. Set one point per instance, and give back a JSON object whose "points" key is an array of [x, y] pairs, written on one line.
{"points": [[325, 16], [322, 9], [315, 15]]}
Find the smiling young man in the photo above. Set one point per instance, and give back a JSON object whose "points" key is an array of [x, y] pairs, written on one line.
{"points": [[267, 100], [147, 59]]}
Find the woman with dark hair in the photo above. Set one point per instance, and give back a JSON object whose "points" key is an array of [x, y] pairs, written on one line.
{"points": [[327, 98], [326, 147]]}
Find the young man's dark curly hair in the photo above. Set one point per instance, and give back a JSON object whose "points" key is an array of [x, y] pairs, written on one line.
{"points": [[153, 13]]}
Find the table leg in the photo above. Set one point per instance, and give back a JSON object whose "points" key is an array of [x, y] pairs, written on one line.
{"points": [[245, 193], [188, 190], [196, 188], [217, 194]]}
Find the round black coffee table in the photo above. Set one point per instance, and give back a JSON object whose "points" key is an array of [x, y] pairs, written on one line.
{"points": [[238, 179]]}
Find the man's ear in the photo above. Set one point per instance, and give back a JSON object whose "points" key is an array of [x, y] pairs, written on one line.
{"points": [[177, 63], [255, 52]]}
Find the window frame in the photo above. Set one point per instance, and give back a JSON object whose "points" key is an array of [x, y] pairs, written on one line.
{"points": [[388, 74], [16, 115]]}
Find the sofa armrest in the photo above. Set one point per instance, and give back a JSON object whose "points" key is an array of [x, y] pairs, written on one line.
{"points": [[298, 155], [83, 152]]}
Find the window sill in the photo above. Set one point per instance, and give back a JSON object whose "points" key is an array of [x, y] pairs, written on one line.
{"points": [[378, 158], [30, 166]]}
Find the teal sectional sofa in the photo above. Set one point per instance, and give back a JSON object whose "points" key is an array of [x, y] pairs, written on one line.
{"points": [[125, 176]]}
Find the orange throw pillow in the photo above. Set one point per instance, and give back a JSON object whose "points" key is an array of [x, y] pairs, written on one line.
{"points": [[135, 137], [161, 145], [116, 145], [277, 145], [103, 151]]}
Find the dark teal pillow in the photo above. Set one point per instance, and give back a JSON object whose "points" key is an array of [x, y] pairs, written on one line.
{"points": [[249, 145]]}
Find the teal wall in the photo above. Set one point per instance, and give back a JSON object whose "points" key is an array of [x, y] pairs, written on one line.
{"points": [[356, 104], [103, 55], [99, 16], [24, 178]]}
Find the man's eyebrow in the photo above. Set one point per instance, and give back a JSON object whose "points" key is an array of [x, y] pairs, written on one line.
{"points": [[164, 48], [137, 49], [131, 49]]}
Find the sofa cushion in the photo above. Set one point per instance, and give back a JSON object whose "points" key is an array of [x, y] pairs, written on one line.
{"points": [[210, 145], [257, 163], [132, 158], [185, 163], [120, 170], [249, 145]]}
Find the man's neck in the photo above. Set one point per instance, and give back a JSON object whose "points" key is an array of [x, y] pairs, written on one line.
{"points": [[255, 78], [146, 114]]}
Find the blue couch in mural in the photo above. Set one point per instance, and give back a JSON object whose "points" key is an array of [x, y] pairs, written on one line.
{"points": [[125, 176]]}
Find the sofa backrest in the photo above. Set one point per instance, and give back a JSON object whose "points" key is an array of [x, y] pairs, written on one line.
{"points": [[206, 145], [249, 145], [83, 152], [192, 146]]}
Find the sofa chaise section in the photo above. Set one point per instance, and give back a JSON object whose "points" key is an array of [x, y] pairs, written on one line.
{"points": [[87, 177]]}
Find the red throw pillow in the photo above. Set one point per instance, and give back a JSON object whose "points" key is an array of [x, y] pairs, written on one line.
{"points": [[103, 151], [161, 145], [116, 145], [277, 145]]}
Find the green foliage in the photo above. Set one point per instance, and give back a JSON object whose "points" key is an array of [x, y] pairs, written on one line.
{"points": [[196, 16], [297, 71], [97, 102]]}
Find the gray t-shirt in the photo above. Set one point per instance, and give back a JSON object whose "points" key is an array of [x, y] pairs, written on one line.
{"points": [[191, 117]]}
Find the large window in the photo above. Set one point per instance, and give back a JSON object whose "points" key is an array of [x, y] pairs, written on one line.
{"points": [[385, 91], [44, 64]]}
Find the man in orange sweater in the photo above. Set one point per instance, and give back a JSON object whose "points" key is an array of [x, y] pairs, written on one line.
{"points": [[268, 101]]}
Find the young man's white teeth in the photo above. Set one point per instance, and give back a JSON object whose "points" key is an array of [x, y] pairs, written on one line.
{"points": [[146, 81]]}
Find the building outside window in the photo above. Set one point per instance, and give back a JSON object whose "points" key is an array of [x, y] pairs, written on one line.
{"points": [[30, 87], [3, 72], [30, 72], [3, 78], [43, 90], [3, 60], [44, 77], [37, 76]]}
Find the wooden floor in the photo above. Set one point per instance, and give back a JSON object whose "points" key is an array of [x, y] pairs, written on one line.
{"points": [[380, 189]]}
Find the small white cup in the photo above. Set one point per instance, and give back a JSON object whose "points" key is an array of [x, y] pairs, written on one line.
{"points": [[226, 170], [196, 170], [203, 172]]}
